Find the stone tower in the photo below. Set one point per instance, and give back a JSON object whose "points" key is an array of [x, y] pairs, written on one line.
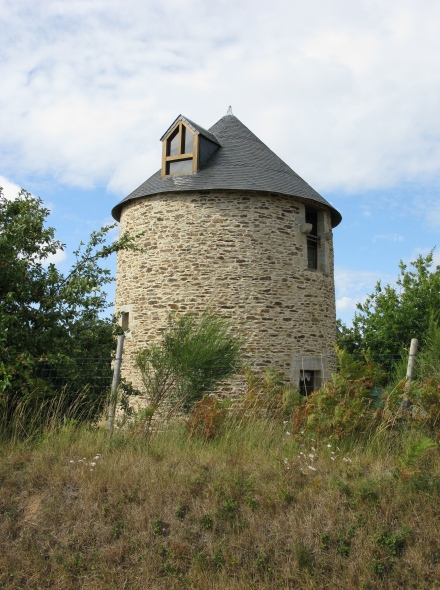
{"points": [[229, 226]]}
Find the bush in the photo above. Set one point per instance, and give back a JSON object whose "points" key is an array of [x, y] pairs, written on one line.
{"points": [[344, 406], [195, 355]]}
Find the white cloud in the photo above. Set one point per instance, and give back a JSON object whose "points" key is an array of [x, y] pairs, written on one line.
{"points": [[346, 93], [346, 304], [56, 258], [10, 189], [353, 287]]}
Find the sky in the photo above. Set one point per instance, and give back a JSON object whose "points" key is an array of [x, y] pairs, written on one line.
{"points": [[346, 93]]}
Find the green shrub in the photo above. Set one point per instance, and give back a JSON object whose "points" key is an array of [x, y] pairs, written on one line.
{"points": [[196, 354], [343, 406]]}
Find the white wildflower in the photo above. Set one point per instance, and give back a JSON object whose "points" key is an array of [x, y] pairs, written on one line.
{"points": [[71, 461], [333, 458], [285, 459], [313, 449], [329, 446], [312, 468], [312, 456], [287, 433], [92, 463]]}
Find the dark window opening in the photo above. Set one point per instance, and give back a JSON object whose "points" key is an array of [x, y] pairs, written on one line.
{"points": [[125, 321], [312, 239], [306, 382]]}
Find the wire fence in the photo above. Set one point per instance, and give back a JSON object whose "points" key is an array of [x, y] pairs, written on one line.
{"points": [[75, 374]]}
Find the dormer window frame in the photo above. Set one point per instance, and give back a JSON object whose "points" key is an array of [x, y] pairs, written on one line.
{"points": [[180, 130]]}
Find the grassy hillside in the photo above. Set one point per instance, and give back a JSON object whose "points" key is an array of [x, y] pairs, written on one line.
{"points": [[252, 508]]}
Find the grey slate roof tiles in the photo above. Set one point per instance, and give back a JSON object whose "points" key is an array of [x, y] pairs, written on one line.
{"points": [[243, 162]]}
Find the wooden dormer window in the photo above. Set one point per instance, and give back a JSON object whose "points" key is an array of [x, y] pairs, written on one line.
{"points": [[180, 151]]}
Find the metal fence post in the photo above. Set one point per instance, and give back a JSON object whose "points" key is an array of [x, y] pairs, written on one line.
{"points": [[115, 383]]}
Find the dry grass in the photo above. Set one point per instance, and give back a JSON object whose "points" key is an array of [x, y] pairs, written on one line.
{"points": [[244, 510]]}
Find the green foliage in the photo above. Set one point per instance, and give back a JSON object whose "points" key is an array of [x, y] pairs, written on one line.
{"points": [[428, 359], [268, 394], [343, 406], [47, 319], [391, 316], [195, 355]]}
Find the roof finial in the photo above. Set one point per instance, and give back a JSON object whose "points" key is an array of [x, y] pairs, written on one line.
{"points": [[229, 111]]}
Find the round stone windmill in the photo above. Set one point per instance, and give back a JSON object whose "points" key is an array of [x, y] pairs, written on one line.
{"points": [[230, 227]]}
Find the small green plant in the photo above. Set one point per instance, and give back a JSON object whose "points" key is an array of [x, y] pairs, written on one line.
{"points": [[181, 511], [286, 496], [229, 508], [393, 542], [218, 560], [304, 556], [206, 522], [325, 541], [263, 562], [379, 566], [160, 528], [251, 501]]}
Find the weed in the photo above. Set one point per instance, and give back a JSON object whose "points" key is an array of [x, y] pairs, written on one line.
{"points": [[286, 496], [304, 556], [117, 528], [229, 508], [380, 566], [325, 541], [218, 560], [367, 493], [393, 542], [263, 562], [181, 511], [251, 501], [343, 544], [160, 528], [206, 522]]}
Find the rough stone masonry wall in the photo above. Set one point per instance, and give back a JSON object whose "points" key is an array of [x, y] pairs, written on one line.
{"points": [[240, 253]]}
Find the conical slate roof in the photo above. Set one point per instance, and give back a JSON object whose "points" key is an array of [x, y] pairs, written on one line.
{"points": [[242, 162]]}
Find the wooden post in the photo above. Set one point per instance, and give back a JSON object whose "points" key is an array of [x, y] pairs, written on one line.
{"points": [[115, 383], [411, 359], [410, 371]]}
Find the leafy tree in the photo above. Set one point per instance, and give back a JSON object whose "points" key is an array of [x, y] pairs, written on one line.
{"points": [[46, 318], [391, 316]]}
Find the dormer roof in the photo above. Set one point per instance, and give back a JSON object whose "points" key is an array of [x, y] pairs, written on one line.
{"points": [[235, 159], [196, 128]]}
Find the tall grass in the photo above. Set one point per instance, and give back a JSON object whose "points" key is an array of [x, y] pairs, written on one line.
{"points": [[250, 508], [331, 492]]}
